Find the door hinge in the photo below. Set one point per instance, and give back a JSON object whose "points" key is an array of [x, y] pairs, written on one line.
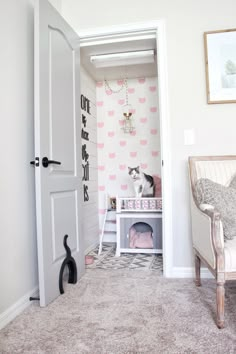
{"points": [[162, 163], [35, 162]]}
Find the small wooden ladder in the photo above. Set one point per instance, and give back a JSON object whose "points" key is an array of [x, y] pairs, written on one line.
{"points": [[104, 231]]}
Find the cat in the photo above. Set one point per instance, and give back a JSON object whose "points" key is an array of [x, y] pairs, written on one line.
{"points": [[143, 183]]}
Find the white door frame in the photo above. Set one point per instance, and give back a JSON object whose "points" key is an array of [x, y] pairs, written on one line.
{"points": [[159, 27]]}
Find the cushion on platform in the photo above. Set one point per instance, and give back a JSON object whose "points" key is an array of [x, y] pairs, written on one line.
{"points": [[157, 183]]}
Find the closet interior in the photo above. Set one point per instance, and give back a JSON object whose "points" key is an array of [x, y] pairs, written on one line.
{"points": [[120, 129]]}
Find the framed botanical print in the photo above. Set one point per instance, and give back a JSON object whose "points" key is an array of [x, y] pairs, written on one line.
{"points": [[220, 60]]}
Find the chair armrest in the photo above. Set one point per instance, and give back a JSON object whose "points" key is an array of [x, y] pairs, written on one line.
{"points": [[204, 207], [207, 233], [217, 229]]}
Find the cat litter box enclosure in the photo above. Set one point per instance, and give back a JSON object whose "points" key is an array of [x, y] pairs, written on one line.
{"points": [[139, 225], [138, 231]]}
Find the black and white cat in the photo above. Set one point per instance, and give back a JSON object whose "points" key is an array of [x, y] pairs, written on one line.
{"points": [[143, 184]]}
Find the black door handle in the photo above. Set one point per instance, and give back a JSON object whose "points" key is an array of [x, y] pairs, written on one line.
{"points": [[46, 162]]}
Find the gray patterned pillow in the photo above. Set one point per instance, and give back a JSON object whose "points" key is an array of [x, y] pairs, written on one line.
{"points": [[223, 199]]}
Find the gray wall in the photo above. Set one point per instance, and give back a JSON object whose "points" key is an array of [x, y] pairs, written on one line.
{"points": [[18, 259], [214, 125], [18, 249]]}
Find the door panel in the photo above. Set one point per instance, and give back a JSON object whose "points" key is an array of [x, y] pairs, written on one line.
{"points": [[57, 136], [62, 118], [64, 223]]}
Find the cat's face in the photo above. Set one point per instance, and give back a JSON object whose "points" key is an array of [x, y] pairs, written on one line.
{"points": [[134, 172]]}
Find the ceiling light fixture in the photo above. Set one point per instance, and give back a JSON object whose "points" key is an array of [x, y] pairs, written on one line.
{"points": [[120, 59], [127, 110], [128, 126]]}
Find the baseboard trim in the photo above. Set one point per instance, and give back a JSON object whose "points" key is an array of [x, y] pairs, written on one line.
{"points": [[189, 272], [90, 248], [14, 310]]}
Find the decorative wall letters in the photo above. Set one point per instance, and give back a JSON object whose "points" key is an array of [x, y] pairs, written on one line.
{"points": [[85, 106]]}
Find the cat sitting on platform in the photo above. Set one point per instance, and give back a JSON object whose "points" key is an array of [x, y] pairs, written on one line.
{"points": [[143, 183]]}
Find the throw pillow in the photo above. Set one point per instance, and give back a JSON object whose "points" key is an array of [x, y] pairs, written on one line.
{"points": [[223, 199], [157, 184]]}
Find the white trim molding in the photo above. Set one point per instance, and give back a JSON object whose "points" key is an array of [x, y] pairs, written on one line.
{"points": [[96, 35], [122, 29], [189, 272], [14, 310]]}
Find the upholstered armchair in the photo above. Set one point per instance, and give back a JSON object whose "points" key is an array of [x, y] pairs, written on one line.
{"points": [[214, 220]]}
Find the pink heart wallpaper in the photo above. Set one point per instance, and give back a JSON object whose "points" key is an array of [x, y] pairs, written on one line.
{"points": [[118, 150]]}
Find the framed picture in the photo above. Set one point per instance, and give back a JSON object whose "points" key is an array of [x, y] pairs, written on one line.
{"points": [[113, 203], [220, 60]]}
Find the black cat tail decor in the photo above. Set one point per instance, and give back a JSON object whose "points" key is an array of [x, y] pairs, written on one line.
{"points": [[70, 263]]}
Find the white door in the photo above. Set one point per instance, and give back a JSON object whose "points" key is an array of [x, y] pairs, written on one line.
{"points": [[57, 138]]}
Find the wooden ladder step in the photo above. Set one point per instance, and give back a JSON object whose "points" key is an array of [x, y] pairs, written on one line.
{"points": [[111, 221], [109, 232]]}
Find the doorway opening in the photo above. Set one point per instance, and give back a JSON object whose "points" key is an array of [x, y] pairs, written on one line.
{"points": [[147, 145]]}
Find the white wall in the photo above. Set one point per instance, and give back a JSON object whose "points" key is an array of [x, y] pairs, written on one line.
{"points": [[90, 207], [18, 258], [214, 125], [18, 250], [57, 4]]}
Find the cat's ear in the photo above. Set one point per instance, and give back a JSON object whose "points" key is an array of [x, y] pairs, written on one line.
{"points": [[137, 169], [129, 169]]}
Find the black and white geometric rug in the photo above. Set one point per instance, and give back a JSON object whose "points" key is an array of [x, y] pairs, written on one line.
{"points": [[108, 260]]}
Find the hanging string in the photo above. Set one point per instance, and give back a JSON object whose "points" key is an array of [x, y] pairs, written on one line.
{"points": [[107, 86], [126, 91]]}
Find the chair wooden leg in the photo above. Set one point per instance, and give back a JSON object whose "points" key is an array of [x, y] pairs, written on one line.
{"points": [[197, 271], [220, 303]]}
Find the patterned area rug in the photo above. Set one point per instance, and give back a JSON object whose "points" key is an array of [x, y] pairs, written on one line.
{"points": [[108, 260]]}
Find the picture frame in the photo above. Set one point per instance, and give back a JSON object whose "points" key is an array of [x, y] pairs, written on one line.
{"points": [[220, 64], [113, 203]]}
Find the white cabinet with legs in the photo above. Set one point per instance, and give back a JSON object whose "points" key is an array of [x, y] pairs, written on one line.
{"points": [[139, 230]]}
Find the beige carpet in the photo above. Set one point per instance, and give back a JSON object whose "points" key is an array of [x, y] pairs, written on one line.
{"points": [[126, 311]]}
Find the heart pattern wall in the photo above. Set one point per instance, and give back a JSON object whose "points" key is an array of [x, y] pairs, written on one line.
{"points": [[117, 150]]}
